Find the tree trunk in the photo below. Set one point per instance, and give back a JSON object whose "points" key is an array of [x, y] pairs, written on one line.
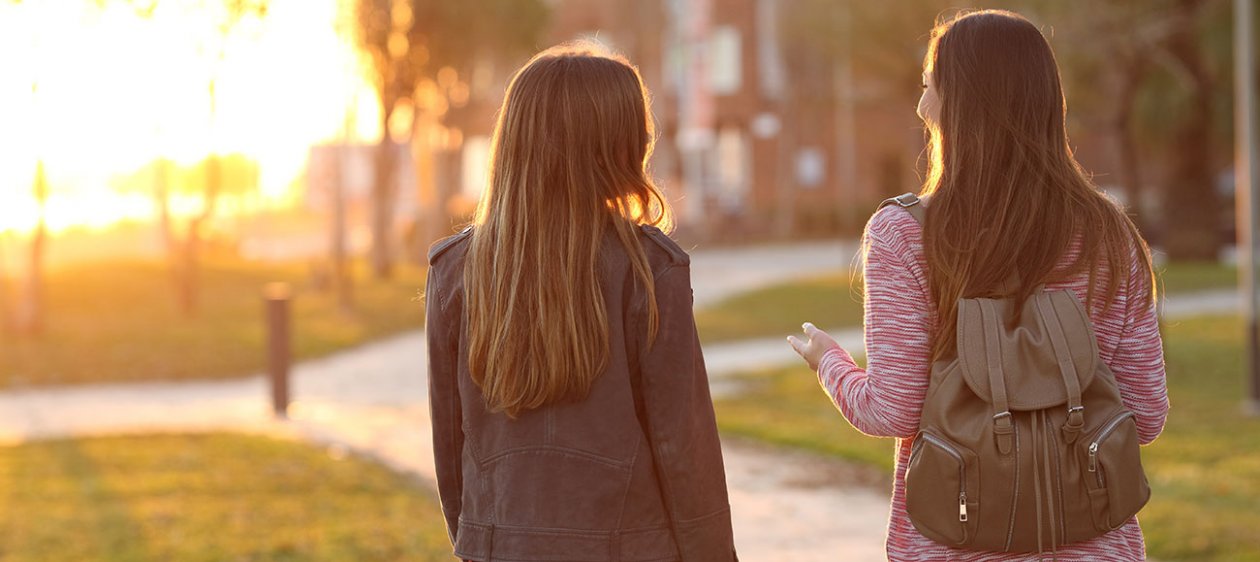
{"points": [[383, 200], [1191, 205], [1126, 145], [166, 230], [187, 261], [426, 196], [30, 319], [343, 281], [785, 219], [187, 264], [162, 198], [6, 296], [30, 309], [187, 269]]}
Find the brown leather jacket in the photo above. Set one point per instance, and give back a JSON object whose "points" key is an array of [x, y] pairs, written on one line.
{"points": [[631, 473]]}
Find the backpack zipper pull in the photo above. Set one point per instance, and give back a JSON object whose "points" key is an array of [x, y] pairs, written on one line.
{"points": [[1093, 457], [962, 506]]}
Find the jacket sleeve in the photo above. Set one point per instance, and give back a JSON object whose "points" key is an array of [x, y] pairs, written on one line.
{"points": [[681, 426], [1138, 363], [444, 404], [886, 399]]}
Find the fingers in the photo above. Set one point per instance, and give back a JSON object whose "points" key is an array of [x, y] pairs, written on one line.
{"points": [[797, 345], [810, 329]]}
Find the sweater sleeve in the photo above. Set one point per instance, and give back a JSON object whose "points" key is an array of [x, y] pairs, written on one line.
{"points": [[886, 398], [1138, 363]]}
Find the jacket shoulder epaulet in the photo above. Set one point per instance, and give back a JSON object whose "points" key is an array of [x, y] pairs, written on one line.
{"points": [[676, 254], [441, 246]]}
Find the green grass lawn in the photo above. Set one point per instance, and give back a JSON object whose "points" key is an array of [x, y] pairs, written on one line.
{"points": [[1188, 277], [209, 498], [834, 301], [1205, 468], [119, 322], [827, 301]]}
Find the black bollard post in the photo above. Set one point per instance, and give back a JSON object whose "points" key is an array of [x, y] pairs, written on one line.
{"points": [[276, 302]]}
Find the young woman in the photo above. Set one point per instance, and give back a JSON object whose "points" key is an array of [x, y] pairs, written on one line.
{"points": [[1006, 198], [571, 409]]}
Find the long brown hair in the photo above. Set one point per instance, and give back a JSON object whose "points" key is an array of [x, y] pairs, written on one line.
{"points": [[1007, 195], [568, 165]]}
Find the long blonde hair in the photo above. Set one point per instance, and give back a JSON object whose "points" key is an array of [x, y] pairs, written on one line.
{"points": [[1007, 195], [568, 164]]}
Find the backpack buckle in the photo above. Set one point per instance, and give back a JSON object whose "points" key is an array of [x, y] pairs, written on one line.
{"points": [[906, 200], [1003, 426], [1074, 424]]}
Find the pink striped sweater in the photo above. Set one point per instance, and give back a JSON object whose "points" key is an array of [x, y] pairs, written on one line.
{"points": [[885, 399]]}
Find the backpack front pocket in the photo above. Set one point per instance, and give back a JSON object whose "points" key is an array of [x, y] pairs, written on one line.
{"points": [[945, 479], [1114, 479]]}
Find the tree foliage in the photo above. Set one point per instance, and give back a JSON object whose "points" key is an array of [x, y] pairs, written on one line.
{"points": [[422, 53], [1150, 79]]}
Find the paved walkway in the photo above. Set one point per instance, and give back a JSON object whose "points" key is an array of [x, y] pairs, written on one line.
{"points": [[787, 505], [717, 274]]}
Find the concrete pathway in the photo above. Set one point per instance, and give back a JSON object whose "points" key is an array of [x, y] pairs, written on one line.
{"points": [[787, 505], [1197, 304], [717, 274]]}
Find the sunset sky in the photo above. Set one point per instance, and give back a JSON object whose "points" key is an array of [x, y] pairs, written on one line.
{"points": [[117, 90]]}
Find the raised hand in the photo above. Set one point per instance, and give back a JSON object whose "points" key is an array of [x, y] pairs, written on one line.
{"points": [[815, 344]]}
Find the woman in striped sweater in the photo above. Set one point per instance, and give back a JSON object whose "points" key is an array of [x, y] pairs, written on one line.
{"points": [[1006, 197]]}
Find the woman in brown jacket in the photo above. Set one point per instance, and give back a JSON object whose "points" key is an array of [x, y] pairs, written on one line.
{"points": [[571, 409]]}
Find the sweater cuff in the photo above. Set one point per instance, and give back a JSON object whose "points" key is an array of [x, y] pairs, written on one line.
{"points": [[835, 358]]}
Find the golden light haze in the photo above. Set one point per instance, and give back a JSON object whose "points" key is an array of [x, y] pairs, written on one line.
{"points": [[114, 90]]}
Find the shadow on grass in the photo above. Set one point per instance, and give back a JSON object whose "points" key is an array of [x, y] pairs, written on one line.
{"points": [[212, 497]]}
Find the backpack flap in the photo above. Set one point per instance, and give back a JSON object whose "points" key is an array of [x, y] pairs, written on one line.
{"points": [[1042, 362]]}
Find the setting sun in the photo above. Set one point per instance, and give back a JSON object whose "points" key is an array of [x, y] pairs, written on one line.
{"points": [[98, 93]]}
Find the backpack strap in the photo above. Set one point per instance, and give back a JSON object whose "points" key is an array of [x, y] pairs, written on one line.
{"points": [[911, 203], [1067, 368], [1003, 424]]}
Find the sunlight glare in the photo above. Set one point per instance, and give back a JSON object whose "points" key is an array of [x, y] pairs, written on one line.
{"points": [[117, 90]]}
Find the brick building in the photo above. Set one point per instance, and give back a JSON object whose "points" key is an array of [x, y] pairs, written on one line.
{"points": [[759, 136]]}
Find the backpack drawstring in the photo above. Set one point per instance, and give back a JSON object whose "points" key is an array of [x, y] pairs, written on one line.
{"points": [[1036, 447], [1050, 510], [1041, 447]]}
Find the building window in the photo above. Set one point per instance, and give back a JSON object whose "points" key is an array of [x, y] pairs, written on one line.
{"points": [[733, 157], [811, 167], [725, 68]]}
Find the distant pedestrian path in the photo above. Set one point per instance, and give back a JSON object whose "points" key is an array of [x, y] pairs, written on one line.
{"points": [[725, 272]]}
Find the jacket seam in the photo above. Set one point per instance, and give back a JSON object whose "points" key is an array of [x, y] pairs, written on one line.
{"points": [[638, 448], [697, 520], [667, 268], [587, 455], [637, 305]]}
